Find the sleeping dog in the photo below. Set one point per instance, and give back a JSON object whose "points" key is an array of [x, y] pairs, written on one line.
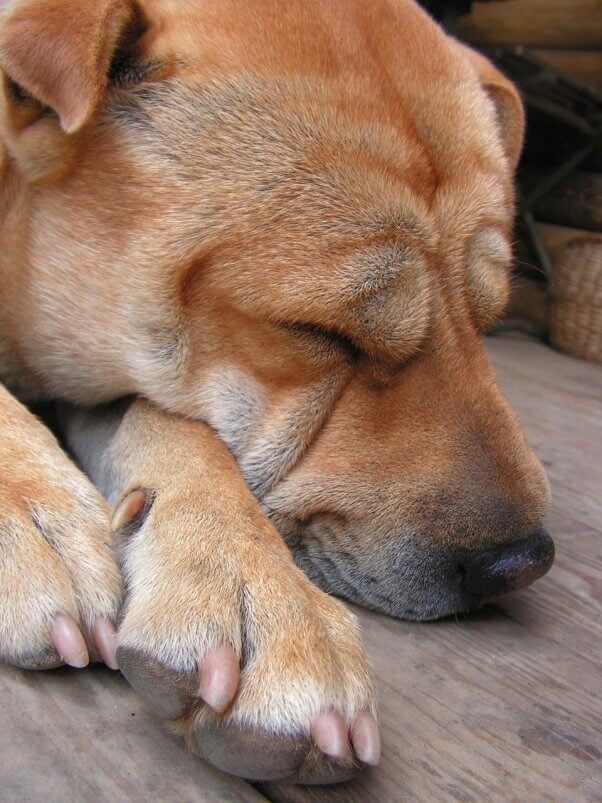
{"points": [[250, 248]]}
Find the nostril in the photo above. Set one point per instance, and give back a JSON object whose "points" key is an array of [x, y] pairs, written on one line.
{"points": [[507, 567], [461, 572]]}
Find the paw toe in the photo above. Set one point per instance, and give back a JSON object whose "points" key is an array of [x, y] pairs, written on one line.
{"points": [[321, 769], [166, 691], [259, 756], [47, 658]]}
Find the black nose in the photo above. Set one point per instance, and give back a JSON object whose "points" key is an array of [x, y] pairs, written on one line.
{"points": [[506, 567]]}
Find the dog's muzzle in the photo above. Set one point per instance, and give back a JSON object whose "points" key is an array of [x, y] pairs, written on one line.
{"points": [[412, 579]]}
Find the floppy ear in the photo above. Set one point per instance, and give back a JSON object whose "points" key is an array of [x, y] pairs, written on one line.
{"points": [[507, 102], [59, 52]]}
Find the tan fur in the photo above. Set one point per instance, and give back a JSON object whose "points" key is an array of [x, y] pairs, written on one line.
{"points": [[293, 228], [56, 550], [213, 555]]}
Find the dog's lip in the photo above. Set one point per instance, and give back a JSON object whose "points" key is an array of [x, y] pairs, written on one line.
{"points": [[444, 611], [448, 589]]}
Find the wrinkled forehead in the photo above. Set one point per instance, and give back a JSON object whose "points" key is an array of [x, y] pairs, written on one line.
{"points": [[293, 148], [387, 61], [306, 162], [303, 186]]}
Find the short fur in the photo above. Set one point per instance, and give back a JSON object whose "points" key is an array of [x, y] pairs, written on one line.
{"points": [[285, 224]]}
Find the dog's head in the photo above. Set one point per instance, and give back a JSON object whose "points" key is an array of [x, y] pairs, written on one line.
{"points": [[313, 204]]}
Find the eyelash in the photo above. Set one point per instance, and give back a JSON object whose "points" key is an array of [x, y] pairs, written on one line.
{"points": [[333, 337]]}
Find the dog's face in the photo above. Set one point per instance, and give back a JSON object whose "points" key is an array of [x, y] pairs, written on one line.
{"points": [[312, 203]]}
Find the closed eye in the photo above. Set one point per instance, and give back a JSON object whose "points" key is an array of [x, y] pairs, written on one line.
{"points": [[328, 336]]}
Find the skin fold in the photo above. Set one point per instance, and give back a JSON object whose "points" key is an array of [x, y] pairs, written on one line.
{"points": [[250, 249]]}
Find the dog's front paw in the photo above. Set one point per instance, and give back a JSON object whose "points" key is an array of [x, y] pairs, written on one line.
{"points": [[263, 673], [60, 588]]}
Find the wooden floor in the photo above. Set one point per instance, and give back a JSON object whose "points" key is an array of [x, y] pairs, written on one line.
{"points": [[504, 705]]}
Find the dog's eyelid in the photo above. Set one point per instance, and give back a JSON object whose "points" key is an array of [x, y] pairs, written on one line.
{"points": [[339, 339]]}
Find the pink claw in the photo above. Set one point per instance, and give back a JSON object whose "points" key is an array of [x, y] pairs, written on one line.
{"points": [[365, 738], [69, 642], [219, 676], [105, 638], [128, 509], [330, 735]]}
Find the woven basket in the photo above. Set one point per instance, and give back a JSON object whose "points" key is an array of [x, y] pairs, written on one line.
{"points": [[576, 299]]}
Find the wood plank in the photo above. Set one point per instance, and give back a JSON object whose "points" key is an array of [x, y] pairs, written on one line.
{"points": [[77, 736], [547, 24], [543, 385], [479, 709], [570, 597], [583, 65]]}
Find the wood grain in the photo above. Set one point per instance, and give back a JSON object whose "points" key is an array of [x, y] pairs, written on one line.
{"points": [[546, 24], [503, 705], [72, 735], [583, 65]]}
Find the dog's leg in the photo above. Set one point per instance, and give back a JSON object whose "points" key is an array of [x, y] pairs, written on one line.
{"points": [[263, 673], [59, 584]]}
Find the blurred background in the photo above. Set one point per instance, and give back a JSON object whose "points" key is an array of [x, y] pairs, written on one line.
{"points": [[552, 49]]}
